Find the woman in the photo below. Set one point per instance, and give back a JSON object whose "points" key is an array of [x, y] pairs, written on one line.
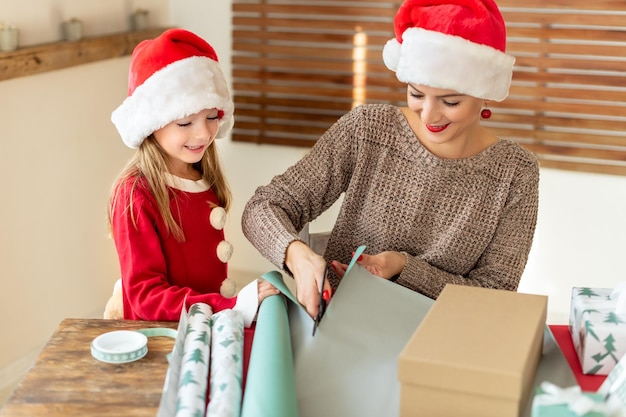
{"points": [[434, 196]]}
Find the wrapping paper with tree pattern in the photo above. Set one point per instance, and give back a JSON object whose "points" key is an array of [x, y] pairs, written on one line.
{"points": [[194, 377], [226, 364], [187, 378], [598, 330]]}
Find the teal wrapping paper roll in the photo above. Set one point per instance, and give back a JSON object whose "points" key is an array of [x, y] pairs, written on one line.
{"points": [[226, 365], [270, 384]]}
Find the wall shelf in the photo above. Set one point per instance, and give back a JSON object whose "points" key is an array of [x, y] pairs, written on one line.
{"points": [[56, 55]]}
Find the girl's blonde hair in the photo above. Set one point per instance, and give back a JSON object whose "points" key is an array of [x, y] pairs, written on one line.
{"points": [[149, 163]]}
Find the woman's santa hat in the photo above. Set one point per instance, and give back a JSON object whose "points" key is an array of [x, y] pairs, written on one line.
{"points": [[171, 77], [451, 44]]}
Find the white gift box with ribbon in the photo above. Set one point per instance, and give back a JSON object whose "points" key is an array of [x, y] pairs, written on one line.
{"points": [[552, 400], [597, 324]]}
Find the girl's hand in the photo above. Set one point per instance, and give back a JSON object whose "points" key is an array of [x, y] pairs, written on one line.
{"points": [[308, 270], [266, 289]]}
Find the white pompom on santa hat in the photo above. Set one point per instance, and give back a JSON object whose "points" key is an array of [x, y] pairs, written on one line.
{"points": [[451, 44], [172, 76]]}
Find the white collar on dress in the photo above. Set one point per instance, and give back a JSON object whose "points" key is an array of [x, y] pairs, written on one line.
{"points": [[184, 184]]}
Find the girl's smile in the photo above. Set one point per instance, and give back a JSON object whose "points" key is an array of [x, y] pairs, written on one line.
{"points": [[196, 149], [185, 141]]}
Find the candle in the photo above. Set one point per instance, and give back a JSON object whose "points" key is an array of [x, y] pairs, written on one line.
{"points": [[8, 38], [139, 20], [72, 30]]}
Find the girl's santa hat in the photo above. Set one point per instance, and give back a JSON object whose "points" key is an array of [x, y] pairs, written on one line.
{"points": [[451, 44], [171, 77]]}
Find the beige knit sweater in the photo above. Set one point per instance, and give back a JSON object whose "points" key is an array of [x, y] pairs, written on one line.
{"points": [[464, 221]]}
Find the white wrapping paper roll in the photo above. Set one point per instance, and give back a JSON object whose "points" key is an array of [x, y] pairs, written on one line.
{"points": [[226, 365], [194, 371]]}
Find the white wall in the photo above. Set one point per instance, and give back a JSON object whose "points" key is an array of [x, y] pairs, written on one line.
{"points": [[60, 153], [580, 238]]}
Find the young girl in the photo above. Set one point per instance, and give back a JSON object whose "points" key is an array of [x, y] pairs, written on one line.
{"points": [[168, 206]]}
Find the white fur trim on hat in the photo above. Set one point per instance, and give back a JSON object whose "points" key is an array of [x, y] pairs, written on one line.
{"points": [[217, 218], [224, 251], [180, 89], [450, 62]]}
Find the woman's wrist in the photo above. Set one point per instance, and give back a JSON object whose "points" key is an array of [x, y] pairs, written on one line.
{"points": [[295, 250], [405, 256]]}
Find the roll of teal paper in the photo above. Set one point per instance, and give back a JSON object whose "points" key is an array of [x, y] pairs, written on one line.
{"points": [[270, 383]]}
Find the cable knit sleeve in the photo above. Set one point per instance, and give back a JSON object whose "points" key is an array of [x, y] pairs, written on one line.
{"points": [[277, 212]]}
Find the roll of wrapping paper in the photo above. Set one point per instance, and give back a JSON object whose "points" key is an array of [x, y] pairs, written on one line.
{"points": [[226, 364], [194, 372], [270, 383], [167, 406], [270, 386]]}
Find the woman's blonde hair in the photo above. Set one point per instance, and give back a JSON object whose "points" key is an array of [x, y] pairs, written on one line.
{"points": [[149, 164]]}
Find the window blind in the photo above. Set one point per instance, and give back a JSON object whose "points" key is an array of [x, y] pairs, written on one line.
{"points": [[299, 65]]}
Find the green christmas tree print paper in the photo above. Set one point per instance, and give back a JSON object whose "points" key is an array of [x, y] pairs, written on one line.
{"points": [[194, 372], [598, 330], [167, 407], [226, 364]]}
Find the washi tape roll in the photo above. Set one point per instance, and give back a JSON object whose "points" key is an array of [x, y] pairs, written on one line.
{"points": [[120, 346], [123, 346]]}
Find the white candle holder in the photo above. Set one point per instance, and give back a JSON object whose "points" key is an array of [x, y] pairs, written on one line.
{"points": [[139, 20], [72, 30], [9, 36]]}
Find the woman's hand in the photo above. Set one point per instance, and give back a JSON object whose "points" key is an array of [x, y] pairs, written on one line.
{"points": [[339, 268], [385, 264], [308, 269]]}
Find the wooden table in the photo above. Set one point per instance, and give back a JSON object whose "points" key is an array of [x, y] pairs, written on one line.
{"points": [[67, 381]]}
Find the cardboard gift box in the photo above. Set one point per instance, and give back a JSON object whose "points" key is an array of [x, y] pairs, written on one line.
{"points": [[475, 354], [598, 328]]}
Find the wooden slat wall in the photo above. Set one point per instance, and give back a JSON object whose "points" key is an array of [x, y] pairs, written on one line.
{"points": [[298, 65]]}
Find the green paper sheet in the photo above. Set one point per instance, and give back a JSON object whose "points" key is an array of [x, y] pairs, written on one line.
{"points": [[349, 368]]}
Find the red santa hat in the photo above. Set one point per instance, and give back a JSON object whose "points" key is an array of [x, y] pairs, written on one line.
{"points": [[171, 77], [451, 44]]}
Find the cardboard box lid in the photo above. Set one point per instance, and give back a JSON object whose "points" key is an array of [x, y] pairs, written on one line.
{"points": [[477, 340]]}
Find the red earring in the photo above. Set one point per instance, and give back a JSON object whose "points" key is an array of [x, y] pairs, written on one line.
{"points": [[485, 113]]}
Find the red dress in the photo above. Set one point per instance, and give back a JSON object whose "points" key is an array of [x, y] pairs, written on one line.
{"points": [[158, 272]]}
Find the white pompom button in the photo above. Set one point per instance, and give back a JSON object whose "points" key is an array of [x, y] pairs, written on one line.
{"points": [[218, 218], [228, 288], [224, 251]]}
